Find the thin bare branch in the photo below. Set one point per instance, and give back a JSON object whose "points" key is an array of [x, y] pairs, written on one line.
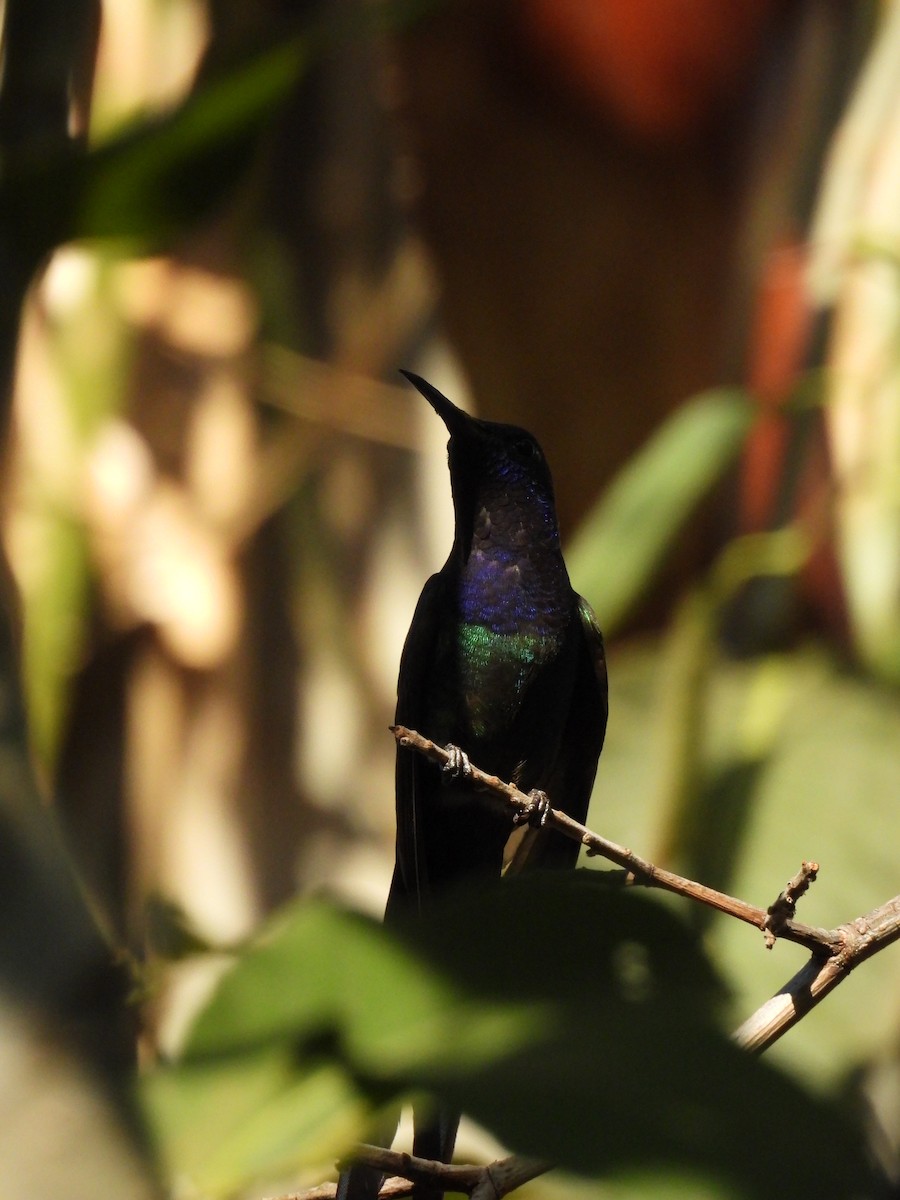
{"points": [[785, 903], [860, 939], [644, 873], [835, 953], [489, 1182], [456, 1178]]}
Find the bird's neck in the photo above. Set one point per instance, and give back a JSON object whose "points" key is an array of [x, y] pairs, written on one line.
{"points": [[511, 569]]}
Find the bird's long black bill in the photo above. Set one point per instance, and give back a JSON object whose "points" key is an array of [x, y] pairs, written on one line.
{"points": [[454, 418]]}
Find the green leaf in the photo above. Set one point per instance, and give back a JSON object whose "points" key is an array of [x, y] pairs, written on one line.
{"points": [[818, 749], [653, 1087], [628, 1067], [164, 173], [574, 1021], [55, 602], [167, 173], [226, 1121], [89, 351], [326, 1005], [373, 995], [623, 540]]}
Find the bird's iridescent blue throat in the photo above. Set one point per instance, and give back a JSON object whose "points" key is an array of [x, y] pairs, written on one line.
{"points": [[514, 602]]}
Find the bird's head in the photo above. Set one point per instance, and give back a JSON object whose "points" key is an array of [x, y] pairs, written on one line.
{"points": [[497, 472]]}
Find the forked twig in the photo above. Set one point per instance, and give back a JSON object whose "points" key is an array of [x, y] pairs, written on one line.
{"points": [[821, 941], [834, 953], [489, 1182]]}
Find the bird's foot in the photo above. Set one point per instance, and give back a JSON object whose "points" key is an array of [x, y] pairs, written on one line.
{"points": [[457, 765], [536, 813]]}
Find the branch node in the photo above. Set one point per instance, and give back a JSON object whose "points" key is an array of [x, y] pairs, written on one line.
{"points": [[643, 873], [784, 907]]}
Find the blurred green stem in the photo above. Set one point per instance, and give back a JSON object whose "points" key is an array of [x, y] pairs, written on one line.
{"points": [[705, 813]]}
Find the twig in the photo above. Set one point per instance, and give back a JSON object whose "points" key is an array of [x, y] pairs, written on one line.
{"points": [[785, 904], [860, 939], [820, 941], [835, 952], [408, 1166], [489, 1182]]}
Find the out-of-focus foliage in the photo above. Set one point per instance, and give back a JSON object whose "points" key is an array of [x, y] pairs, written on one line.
{"points": [[619, 544], [152, 181], [793, 758], [207, 558], [854, 273], [595, 1049], [82, 374]]}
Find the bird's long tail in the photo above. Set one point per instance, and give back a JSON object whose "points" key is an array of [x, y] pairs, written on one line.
{"points": [[434, 1138], [359, 1183]]}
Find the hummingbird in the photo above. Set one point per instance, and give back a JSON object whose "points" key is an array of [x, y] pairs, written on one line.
{"points": [[504, 665]]}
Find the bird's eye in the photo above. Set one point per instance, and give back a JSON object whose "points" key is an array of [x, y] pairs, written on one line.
{"points": [[528, 448]]}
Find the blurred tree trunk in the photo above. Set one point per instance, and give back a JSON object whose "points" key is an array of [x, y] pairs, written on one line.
{"points": [[61, 1133]]}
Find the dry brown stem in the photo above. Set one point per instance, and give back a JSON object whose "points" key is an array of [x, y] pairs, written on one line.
{"points": [[835, 952], [785, 903], [489, 1182], [643, 872]]}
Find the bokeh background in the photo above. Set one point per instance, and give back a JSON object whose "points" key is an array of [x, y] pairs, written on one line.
{"points": [[661, 235]]}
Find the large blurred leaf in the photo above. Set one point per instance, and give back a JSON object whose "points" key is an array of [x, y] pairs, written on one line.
{"points": [[622, 541], [853, 273], [161, 175], [574, 1022], [660, 1088], [389, 1012], [89, 350], [154, 180], [819, 749], [226, 1121]]}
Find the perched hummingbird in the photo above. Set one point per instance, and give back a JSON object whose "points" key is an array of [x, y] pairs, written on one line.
{"points": [[504, 663]]}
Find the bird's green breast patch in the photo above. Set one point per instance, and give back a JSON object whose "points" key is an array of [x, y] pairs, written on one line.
{"points": [[495, 670]]}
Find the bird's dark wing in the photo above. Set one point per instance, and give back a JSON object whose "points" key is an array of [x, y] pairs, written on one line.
{"points": [[417, 780], [410, 871], [592, 683], [586, 727], [420, 650], [571, 780]]}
